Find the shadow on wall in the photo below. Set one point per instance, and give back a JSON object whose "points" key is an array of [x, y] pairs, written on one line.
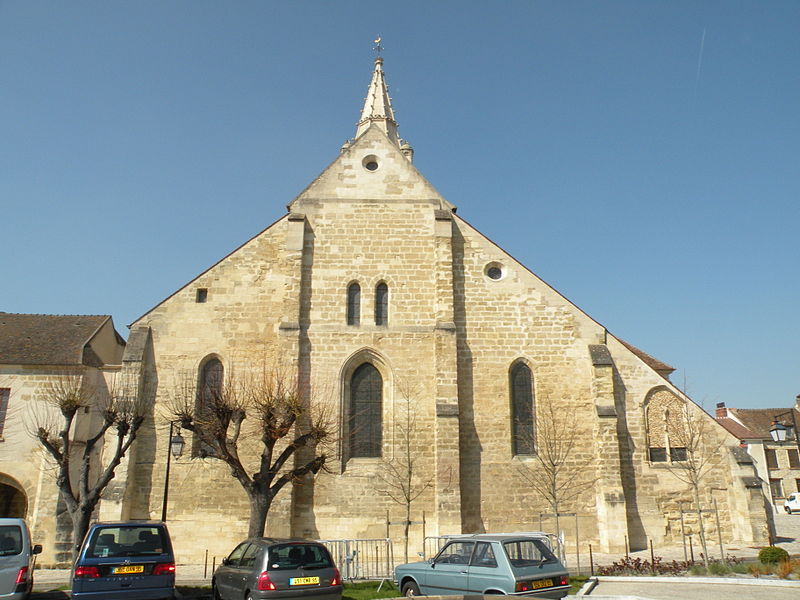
{"points": [[469, 444]]}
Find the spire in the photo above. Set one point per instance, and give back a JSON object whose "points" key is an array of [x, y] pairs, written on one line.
{"points": [[378, 105]]}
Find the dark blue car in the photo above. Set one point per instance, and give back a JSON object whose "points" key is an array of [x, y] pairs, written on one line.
{"points": [[125, 561]]}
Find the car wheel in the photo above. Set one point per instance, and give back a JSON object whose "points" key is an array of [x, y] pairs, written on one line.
{"points": [[215, 591], [410, 589], [787, 509]]}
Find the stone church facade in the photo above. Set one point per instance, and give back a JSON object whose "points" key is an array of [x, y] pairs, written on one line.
{"points": [[372, 283]]}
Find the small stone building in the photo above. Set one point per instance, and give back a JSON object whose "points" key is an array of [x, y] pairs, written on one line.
{"points": [[35, 351]]}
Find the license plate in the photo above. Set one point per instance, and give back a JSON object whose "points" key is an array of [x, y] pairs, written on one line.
{"points": [[542, 583], [303, 580], [128, 570]]}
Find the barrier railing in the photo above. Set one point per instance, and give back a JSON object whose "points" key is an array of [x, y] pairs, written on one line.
{"points": [[362, 558]]}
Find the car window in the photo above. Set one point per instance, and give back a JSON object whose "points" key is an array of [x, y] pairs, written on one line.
{"points": [[483, 555], [457, 553], [131, 540], [283, 557], [236, 555], [249, 556], [10, 540], [528, 553]]}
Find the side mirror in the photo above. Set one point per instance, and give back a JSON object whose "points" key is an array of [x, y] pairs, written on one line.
{"points": [[225, 561], [37, 549]]}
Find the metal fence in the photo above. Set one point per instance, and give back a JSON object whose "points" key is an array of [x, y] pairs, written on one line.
{"points": [[362, 558]]}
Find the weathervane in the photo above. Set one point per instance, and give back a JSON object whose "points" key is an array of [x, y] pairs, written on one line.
{"points": [[377, 47]]}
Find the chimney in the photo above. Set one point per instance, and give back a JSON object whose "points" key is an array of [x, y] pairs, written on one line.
{"points": [[797, 403], [721, 410]]}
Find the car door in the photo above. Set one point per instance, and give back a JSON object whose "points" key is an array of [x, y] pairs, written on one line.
{"points": [[484, 573], [450, 569], [228, 572]]}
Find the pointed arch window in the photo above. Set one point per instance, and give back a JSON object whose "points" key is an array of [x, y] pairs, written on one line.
{"points": [[365, 419], [209, 392], [522, 411], [354, 304], [382, 304]]}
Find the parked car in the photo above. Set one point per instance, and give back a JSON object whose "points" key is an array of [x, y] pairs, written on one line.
{"points": [[522, 565], [16, 559], [264, 568], [792, 503], [121, 561]]}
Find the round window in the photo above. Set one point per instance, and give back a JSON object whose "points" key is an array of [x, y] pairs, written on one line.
{"points": [[494, 271], [370, 163]]}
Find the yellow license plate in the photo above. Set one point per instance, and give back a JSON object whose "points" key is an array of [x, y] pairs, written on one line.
{"points": [[128, 570], [303, 580], [542, 583]]}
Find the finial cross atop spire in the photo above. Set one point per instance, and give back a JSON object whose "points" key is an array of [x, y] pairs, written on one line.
{"points": [[377, 47]]}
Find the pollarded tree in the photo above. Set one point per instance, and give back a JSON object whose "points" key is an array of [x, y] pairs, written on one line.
{"points": [[265, 405], [80, 477]]}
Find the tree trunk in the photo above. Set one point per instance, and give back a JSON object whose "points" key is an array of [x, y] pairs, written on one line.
{"points": [[405, 530], [702, 528], [80, 525], [260, 502]]}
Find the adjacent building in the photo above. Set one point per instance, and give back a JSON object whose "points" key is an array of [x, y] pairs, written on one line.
{"points": [[777, 462]]}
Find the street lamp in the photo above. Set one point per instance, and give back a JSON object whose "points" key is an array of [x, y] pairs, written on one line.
{"points": [[176, 445]]}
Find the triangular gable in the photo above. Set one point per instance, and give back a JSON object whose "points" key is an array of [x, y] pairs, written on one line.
{"points": [[347, 178]]}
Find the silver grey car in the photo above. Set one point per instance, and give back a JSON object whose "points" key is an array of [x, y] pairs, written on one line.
{"points": [[16, 559], [270, 568]]}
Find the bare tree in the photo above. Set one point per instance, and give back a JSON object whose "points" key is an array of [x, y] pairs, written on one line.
{"points": [[265, 405], [80, 477], [692, 453], [402, 476], [555, 473]]}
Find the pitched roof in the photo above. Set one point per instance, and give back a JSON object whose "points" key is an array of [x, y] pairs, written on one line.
{"points": [[48, 339], [653, 363], [737, 429], [759, 420]]}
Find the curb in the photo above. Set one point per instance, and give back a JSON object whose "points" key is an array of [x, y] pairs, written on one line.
{"points": [[701, 580]]}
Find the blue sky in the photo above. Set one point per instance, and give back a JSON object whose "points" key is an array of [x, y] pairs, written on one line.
{"points": [[641, 157]]}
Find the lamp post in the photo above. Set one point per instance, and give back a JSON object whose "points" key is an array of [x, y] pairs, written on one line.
{"points": [[176, 444]]}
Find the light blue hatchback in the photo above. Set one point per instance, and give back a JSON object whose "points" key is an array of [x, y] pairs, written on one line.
{"points": [[521, 565]]}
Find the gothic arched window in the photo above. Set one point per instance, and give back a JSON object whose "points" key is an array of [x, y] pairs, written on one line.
{"points": [[365, 419], [353, 304], [209, 392], [522, 413], [382, 304]]}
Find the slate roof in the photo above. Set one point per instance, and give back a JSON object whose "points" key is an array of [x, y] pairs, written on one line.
{"points": [[48, 339]]}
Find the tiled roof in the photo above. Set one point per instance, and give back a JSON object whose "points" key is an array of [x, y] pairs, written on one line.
{"points": [[48, 339], [737, 430], [759, 420], [650, 361]]}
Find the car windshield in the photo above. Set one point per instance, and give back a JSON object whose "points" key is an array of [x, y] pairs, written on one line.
{"points": [[10, 540], [283, 557], [135, 540], [528, 553]]}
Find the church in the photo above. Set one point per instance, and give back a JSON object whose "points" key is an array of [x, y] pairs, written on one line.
{"points": [[372, 284]]}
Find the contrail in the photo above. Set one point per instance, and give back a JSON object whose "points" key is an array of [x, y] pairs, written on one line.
{"points": [[699, 61]]}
